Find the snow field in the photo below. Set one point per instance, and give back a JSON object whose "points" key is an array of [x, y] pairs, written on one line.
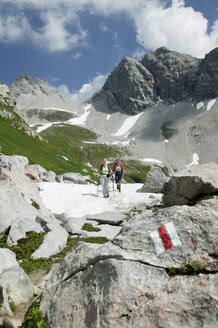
{"points": [[127, 125], [80, 200]]}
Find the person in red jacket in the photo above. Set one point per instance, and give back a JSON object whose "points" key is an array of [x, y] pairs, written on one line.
{"points": [[119, 170]]}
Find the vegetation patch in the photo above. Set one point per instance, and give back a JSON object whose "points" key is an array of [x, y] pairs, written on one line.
{"points": [[201, 198], [186, 269], [35, 204], [89, 227], [33, 317], [27, 246], [136, 172]]}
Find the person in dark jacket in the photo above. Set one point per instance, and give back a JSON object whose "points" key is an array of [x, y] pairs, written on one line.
{"points": [[119, 170]]}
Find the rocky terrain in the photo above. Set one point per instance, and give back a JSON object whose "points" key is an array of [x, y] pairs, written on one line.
{"points": [[136, 85]]}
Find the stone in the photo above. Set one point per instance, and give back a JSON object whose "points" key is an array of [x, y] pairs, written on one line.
{"points": [[40, 169], [124, 283], [55, 240], [6, 96], [13, 206], [111, 218], [62, 216], [13, 278], [32, 173], [19, 228], [49, 176], [15, 164], [75, 178], [190, 184], [156, 178]]}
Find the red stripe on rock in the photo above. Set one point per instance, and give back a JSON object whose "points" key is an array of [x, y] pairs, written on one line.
{"points": [[165, 238]]}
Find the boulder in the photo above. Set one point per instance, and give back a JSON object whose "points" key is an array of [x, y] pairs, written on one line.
{"points": [[49, 176], [75, 178], [190, 184], [6, 96], [111, 218], [32, 173], [54, 242], [19, 228], [13, 278], [156, 178], [15, 164], [125, 283], [62, 216], [13, 206]]}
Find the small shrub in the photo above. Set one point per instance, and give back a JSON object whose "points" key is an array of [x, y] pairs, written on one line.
{"points": [[89, 227], [12, 305], [35, 204], [187, 269], [34, 318]]}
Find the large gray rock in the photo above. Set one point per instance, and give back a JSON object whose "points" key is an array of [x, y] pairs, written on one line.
{"points": [[6, 96], [49, 176], [15, 164], [13, 278], [75, 178], [124, 282], [55, 240], [190, 184], [13, 206], [156, 178], [112, 218]]}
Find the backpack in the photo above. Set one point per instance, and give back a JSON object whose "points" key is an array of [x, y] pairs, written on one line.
{"points": [[118, 168]]}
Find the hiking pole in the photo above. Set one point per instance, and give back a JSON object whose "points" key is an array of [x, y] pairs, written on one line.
{"points": [[98, 185], [113, 186]]}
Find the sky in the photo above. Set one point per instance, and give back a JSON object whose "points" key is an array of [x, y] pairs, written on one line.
{"points": [[75, 44]]}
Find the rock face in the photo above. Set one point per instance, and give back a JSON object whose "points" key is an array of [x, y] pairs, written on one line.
{"points": [[190, 184], [164, 75], [129, 86], [156, 178], [6, 96], [124, 283]]}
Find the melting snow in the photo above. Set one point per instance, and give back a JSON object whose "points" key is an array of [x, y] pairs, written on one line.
{"points": [[46, 126], [59, 109], [211, 103], [151, 160], [79, 200], [166, 140], [200, 105], [81, 119], [195, 160], [108, 117], [64, 157], [127, 125]]}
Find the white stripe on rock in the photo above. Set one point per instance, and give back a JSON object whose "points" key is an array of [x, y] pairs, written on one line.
{"points": [[157, 242], [173, 234]]}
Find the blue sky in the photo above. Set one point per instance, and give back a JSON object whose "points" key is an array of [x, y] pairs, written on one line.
{"points": [[74, 44]]}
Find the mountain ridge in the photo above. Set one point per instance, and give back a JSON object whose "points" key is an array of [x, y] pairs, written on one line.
{"points": [[168, 76]]}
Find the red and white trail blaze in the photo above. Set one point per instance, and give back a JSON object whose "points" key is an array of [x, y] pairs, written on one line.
{"points": [[165, 237]]}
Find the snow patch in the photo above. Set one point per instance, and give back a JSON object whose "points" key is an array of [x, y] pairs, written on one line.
{"points": [[108, 117], [195, 160], [151, 160], [46, 126], [166, 141], [58, 198], [58, 109], [64, 157], [81, 120], [200, 105], [211, 103], [127, 125]]}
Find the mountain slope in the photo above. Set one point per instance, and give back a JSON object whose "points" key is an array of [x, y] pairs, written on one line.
{"points": [[135, 85]]}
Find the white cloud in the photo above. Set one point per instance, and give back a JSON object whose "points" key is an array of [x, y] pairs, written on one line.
{"points": [[177, 27], [86, 91], [156, 24], [138, 53]]}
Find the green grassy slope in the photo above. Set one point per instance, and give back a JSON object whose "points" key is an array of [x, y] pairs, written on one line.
{"points": [[61, 141]]}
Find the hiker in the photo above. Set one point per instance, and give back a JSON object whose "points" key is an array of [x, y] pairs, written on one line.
{"points": [[105, 172], [119, 170]]}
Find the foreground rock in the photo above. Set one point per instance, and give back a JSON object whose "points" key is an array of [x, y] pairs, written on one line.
{"points": [[191, 184], [112, 218], [14, 282], [156, 177], [124, 283]]}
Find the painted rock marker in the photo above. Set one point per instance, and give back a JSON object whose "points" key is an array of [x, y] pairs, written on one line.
{"points": [[165, 237]]}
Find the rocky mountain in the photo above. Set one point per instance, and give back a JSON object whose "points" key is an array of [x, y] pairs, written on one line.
{"points": [[164, 75]]}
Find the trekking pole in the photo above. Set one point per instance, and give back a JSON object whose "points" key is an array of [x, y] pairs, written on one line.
{"points": [[98, 185], [113, 186]]}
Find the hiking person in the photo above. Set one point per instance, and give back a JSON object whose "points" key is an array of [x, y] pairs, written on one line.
{"points": [[119, 170], [105, 172]]}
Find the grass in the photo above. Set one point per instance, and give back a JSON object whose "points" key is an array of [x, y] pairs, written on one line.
{"points": [[35, 204], [33, 317], [186, 269], [27, 246], [135, 171], [89, 227]]}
